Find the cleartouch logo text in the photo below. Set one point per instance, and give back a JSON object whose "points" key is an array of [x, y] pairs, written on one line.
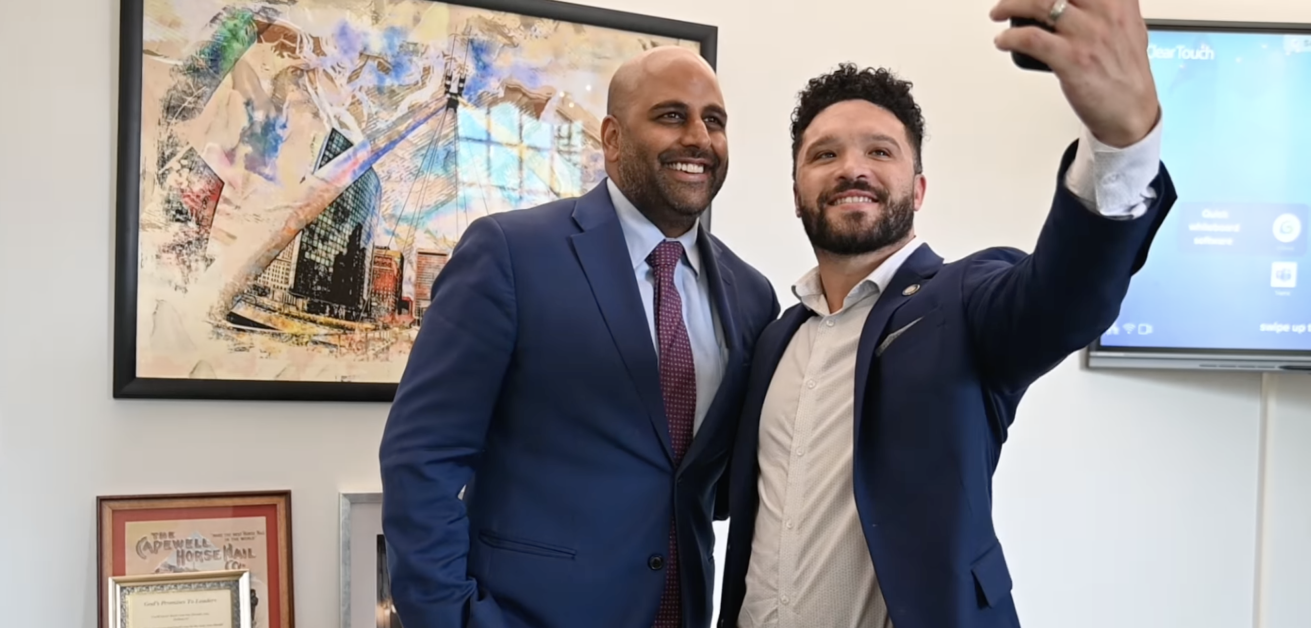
{"points": [[1181, 52]]}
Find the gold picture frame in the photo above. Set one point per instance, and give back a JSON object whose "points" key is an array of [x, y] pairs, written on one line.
{"points": [[214, 599], [196, 533]]}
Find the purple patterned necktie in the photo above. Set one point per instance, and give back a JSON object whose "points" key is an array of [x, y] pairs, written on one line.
{"points": [[678, 386]]}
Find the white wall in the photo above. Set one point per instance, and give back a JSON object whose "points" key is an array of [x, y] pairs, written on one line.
{"points": [[1122, 500]]}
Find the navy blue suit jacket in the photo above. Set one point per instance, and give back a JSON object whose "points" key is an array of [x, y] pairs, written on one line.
{"points": [[932, 411], [534, 381]]}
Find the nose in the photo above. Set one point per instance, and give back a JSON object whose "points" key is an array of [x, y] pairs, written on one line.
{"points": [[854, 167], [695, 133]]}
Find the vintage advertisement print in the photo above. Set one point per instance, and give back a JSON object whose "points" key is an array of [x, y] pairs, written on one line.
{"points": [[204, 534]]}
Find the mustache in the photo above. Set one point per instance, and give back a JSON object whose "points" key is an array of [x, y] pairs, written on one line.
{"points": [[692, 153], [880, 194]]}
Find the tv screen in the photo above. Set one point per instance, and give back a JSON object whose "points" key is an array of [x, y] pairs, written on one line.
{"points": [[1227, 284]]}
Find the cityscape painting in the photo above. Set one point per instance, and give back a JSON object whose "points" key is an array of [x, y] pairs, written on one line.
{"points": [[295, 173]]}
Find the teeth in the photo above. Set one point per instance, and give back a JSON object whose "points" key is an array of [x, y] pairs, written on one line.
{"points": [[690, 168], [853, 199]]}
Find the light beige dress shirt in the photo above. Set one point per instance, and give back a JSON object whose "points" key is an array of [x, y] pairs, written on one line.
{"points": [[810, 566]]}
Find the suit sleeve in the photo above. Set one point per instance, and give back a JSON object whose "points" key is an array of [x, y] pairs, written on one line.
{"points": [[436, 431], [1028, 313]]}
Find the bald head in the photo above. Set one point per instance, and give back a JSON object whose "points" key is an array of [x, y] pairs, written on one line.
{"points": [[664, 135], [668, 62]]}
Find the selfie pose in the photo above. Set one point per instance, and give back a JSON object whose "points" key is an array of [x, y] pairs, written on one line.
{"points": [[877, 406], [581, 369]]}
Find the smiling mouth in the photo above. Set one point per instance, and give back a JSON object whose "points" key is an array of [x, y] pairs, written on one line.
{"points": [[853, 199], [689, 168]]}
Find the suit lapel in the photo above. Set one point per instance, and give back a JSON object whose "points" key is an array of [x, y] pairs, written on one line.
{"points": [[919, 267], [772, 346], [603, 253], [723, 292]]}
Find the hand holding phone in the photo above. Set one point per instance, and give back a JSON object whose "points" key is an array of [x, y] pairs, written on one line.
{"points": [[1097, 50], [1025, 61]]}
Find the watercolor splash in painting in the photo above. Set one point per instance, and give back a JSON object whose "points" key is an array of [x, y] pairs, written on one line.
{"points": [[308, 165]]}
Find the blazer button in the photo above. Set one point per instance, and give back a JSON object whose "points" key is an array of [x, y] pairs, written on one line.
{"points": [[656, 562]]}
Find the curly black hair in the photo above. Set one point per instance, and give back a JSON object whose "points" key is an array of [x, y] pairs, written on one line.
{"points": [[879, 86]]}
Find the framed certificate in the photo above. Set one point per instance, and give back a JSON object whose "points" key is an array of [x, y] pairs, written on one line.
{"points": [[154, 535], [218, 599]]}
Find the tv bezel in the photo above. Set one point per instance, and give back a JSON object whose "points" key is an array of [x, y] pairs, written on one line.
{"points": [[1100, 357]]}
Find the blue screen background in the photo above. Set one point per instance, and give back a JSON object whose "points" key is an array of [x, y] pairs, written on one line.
{"points": [[1237, 142]]}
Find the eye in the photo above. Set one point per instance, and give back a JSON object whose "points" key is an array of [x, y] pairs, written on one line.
{"points": [[881, 152], [714, 120]]}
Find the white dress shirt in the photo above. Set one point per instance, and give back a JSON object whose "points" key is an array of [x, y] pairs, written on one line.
{"points": [[709, 351], [810, 566]]}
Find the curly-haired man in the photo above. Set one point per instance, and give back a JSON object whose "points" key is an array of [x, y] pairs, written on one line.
{"points": [[861, 483]]}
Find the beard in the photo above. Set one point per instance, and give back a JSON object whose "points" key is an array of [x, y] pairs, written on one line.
{"points": [[650, 186], [851, 234]]}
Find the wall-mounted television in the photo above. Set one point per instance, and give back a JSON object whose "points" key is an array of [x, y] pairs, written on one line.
{"points": [[1227, 284]]}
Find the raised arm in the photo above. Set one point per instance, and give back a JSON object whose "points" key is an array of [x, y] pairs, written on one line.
{"points": [[436, 431], [1029, 312]]}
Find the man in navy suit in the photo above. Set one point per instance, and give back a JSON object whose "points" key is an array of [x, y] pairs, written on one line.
{"points": [[581, 372], [877, 407]]}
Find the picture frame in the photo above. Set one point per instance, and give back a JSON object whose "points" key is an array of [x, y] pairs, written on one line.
{"points": [[201, 533], [220, 599], [365, 587], [292, 175]]}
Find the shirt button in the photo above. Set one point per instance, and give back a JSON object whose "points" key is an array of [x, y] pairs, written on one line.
{"points": [[788, 524], [829, 322], [810, 384], [801, 451], [784, 599]]}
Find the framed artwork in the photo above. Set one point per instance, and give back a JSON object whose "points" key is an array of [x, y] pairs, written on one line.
{"points": [[217, 599], [206, 533], [293, 174], [365, 586]]}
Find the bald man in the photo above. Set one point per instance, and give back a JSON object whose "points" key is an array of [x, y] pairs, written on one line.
{"points": [[581, 372]]}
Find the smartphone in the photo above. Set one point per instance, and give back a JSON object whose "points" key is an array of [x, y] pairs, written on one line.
{"points": [[1023, 60]]}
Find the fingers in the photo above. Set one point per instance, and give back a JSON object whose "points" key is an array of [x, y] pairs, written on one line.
{"points": [[1046, 47], [1035, 9]]}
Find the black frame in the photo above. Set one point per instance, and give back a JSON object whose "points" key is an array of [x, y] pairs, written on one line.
{"points": [[1213, 26], [126, 383]]}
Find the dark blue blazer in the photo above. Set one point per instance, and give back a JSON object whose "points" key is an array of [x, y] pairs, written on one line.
{"points": [[933, 409], [534, 381]]}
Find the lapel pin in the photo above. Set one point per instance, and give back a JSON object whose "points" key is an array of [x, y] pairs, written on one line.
{"points": [[911, 289]]}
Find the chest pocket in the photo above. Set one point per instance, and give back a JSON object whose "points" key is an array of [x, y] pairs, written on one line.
{"points": [[911, 332]]}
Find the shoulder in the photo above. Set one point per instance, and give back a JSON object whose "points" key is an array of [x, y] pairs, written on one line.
{"points": [[533, 220], [748, 277], [987, 260], [518, 232], [757, 301]]}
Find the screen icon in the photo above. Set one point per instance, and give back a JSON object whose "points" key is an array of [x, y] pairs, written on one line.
{"points": [[1287, 228], [1283, 275]]}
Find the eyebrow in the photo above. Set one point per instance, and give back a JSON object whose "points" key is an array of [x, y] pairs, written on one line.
{"points": [[874, 137], [682, 106]]}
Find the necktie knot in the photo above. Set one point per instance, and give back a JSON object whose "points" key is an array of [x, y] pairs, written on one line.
{"points": [[665, 255]]}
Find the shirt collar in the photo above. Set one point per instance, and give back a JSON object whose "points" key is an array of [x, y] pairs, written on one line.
{"points": [[642, 236], [810, 291]]}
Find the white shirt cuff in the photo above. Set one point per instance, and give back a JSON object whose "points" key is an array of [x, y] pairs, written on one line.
{"points": [[1115, 182]]}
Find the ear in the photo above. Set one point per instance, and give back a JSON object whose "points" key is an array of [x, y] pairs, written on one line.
{"points": [[921, 183], [796, 199], [610, 138]]}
